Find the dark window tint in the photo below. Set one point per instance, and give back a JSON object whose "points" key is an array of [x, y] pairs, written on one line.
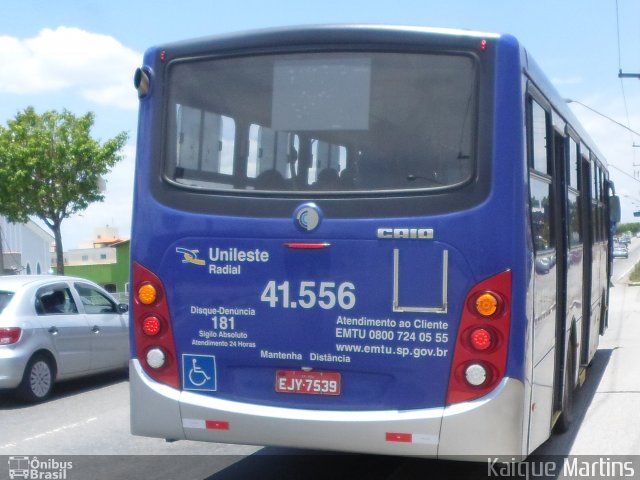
{"points": [[322, 122], [541, 211], [55, 300], [574, 164], [575, 222], [538, 125]]}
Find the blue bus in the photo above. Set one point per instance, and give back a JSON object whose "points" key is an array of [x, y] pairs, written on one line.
{"points": [[379, 239]]}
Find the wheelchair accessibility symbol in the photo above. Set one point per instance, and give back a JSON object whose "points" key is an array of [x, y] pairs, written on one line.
{"points": [[199, 372]]}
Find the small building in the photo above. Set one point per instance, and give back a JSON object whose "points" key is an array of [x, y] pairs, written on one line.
{"points": [[26, 248], [106, 265], [103, 237]]}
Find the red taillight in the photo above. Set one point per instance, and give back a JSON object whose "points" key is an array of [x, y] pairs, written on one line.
{"points": [[481, 339], [153, 334], [10, 335], [151, 326], [480, 356]]}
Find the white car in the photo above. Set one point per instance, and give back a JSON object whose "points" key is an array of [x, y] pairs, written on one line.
{"points": [[55, 328]]}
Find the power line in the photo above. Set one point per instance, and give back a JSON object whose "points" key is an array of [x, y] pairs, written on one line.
{"points": [[569, 100], [623, 172]]}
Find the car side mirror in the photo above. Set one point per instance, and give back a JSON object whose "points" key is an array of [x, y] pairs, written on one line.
{"points": [[614, 209], [123, 308]]}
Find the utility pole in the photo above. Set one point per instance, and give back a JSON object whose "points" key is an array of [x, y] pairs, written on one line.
{"points": [[628, 75]]}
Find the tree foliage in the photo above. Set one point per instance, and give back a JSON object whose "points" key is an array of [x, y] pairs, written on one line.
{"points": [[51, 167], [628, 227]]}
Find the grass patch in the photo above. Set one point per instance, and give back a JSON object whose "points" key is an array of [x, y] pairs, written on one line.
{"points": [[635, 273]]}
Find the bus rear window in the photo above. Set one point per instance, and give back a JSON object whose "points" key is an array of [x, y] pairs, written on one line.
{"points": [[325, 122]]}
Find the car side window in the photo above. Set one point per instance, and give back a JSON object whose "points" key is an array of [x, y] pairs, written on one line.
{"points": [[55, 300], [95, 301]]}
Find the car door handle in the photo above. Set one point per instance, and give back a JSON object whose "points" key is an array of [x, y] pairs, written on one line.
{"points": [[53, 330], [95, 329]]}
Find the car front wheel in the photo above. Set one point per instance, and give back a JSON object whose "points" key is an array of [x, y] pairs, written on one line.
{"points": [[37, 382]]}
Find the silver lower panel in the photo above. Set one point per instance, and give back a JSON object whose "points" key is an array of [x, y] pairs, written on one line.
{"points": [[491, 426]]}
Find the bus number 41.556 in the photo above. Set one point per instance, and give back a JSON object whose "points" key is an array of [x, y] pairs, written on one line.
{"points": [[309, 294]]}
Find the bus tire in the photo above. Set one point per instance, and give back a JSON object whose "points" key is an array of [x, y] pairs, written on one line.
{"points": [[566, 417], [37, 381]]}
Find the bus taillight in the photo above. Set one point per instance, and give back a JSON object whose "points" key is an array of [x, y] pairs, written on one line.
{"points": [[476, 374], [147, 294], [154, 341], [487, 304], [481, 339], [151, 326], [480, 356]]}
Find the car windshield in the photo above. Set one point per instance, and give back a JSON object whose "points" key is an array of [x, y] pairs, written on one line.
{"points": [[5, 298], [318, 122]]}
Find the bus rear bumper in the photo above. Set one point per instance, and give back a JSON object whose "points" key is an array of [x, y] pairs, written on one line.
{"points": [[487, 427]]}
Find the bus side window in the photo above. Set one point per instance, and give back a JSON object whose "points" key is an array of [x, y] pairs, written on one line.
{"points": [[538, 128], [595, 199], [575, 221], [539, 134]]}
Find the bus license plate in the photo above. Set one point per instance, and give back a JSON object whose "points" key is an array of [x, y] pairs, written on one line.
{"points": [[311, 383]]}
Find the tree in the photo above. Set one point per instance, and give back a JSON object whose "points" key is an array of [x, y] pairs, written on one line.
{"points": [[51, 167]]}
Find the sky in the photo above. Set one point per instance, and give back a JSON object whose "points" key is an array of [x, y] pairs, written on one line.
{"points": [[80, 55]]}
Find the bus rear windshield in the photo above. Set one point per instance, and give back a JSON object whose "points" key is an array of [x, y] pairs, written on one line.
{"points": [[322, 122]]}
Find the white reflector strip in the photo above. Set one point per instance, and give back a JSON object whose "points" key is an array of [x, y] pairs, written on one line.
{"points": [[424, 439], [205, 424], [193, 423]]}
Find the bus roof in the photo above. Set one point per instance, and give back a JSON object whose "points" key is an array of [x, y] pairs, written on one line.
{"points": [[326, 33], [345, 34]]}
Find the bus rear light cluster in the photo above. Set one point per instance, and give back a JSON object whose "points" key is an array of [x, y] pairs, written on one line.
{"points": [[155, 345], [480, 355]]}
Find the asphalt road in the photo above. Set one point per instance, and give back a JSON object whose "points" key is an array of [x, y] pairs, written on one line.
{"points": [[87, 423]]}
